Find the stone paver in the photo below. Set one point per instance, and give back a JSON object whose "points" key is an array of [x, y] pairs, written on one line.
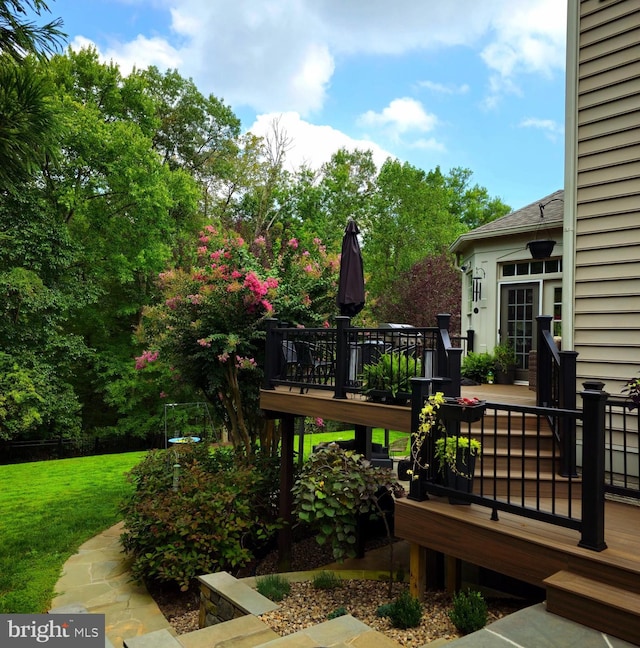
{"points": [[98, 578]]}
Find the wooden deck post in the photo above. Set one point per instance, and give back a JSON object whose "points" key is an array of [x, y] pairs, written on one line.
{"points": [[286, 498], [418, 571], [453, 574]]}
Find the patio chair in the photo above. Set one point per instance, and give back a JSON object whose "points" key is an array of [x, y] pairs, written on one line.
{"points": [[310, 365]]}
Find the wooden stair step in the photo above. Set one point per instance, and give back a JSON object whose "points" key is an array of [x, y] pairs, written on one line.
{"points": [[593, 603]]}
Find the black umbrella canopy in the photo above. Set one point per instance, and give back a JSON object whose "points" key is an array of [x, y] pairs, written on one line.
{"points": [[351, 283]]}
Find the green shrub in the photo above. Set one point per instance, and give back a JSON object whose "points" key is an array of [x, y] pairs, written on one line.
{"points": [[326, 580], [338, 612], [405, 612], [222, 508], [335, 486], [274, 586], [469, 612], [476, 366]]}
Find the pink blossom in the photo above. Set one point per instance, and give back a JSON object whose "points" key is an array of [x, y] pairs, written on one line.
{"points": [[267, 306], [194, 299], [146, 358], [293, 243], [163, 394], [257, 287], [306, 300], [319, 422], [210, 228], [245, 363], [202, 250], [306, 253], [223, 357], [172, 302], [261, 241], [236, 275], [203, 342], [317, 241], [308, 268], [272, 282], [325, 324], [216, 255], [240, 241]]}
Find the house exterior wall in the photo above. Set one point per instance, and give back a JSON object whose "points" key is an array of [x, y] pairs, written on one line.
{"points": [[486, 259], [602, 189]]}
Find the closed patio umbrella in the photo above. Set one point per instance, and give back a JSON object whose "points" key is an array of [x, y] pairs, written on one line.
{"points": [[351, 283]]}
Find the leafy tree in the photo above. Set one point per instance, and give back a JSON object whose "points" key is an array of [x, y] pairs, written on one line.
{"points": [[210, 324], [39, 290], [19, 36], [472, 204], [28, 128], [430, 287]]}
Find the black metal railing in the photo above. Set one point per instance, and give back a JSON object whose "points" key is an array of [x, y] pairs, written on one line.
{"points": [[622, 454], [518, 468], [347, 359], [556, 388]]}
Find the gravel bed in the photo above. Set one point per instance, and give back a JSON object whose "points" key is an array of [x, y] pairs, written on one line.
{"points": [[306, 605]]}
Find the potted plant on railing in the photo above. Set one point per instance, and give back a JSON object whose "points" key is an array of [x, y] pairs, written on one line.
{"points": [[455, 454], [456, 457], [505, 363], [388, 380]]}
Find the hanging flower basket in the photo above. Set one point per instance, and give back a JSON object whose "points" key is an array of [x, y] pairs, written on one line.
{"points": [[454, 409], [541, 249]]}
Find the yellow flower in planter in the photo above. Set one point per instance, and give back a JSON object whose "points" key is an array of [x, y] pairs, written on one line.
{"points": [[428, 420]]}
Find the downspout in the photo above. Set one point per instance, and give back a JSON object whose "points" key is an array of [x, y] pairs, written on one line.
{"points": [[570, 176]]}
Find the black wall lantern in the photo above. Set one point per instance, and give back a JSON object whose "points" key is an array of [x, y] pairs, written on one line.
{"points": [[542, 248]]}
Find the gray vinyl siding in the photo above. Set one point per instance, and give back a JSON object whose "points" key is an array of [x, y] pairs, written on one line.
{"points": [[607, 234]]}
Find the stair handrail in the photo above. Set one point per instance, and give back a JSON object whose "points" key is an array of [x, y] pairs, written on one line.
{"points": [[556, 387]]}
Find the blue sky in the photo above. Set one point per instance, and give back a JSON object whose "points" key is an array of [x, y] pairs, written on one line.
{"points": [[477, 84]]}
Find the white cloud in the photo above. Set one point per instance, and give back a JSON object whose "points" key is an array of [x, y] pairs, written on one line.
{"points": [[441, 88], [552, 129], [276, 55], [313, 145], [399, 117], [527, 38], [141, 53]]}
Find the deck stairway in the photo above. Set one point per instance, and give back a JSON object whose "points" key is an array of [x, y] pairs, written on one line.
{"points": [[607, 602], [521, 463]]}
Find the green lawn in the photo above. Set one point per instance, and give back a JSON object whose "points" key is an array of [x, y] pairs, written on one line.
{"points": [[47, 510], [311, 440]]}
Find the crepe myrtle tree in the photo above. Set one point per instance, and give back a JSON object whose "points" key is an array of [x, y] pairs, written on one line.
{"points": [[210, 325]]}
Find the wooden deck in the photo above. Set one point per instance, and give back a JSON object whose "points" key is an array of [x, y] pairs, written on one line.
{"points": [[597, 589], [357, 410]]}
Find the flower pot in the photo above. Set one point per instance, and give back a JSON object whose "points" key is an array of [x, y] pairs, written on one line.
{"points": [[541, 249], [417, 490], [452, 410], [386, 397], [460, 478], [506, 377]]}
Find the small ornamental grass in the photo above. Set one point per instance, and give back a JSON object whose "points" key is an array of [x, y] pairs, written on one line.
{"points": [[469, 612], [338, 612], [273, 586], [405, 612], [326, 580]]}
